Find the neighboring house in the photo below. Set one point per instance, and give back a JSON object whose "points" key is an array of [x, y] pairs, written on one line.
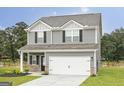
{"points": [[68, 44]]}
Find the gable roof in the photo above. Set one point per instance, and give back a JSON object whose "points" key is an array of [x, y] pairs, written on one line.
{"points": [[83, 19]]}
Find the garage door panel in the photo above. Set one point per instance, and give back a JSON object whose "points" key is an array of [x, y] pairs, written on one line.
{"points": [[69, 65]]}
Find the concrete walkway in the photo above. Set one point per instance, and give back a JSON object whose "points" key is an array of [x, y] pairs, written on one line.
{"points": [[57, 80]]}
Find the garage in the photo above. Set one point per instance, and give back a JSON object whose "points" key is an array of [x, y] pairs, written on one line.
{"points": [[69, 65]]}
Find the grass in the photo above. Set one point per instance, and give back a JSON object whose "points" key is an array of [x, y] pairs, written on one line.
{"points": [[18, 80], [15, 80], [107, 76]]}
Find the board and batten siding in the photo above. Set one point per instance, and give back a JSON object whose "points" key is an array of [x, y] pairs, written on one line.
{"points": [[38, 27]]}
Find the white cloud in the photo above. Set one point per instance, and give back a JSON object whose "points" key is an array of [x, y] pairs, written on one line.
{"points": [[2, 28], [54, 13], [84, 9]]}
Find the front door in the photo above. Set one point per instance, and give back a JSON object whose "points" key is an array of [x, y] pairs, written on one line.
{"points": [[42, 66]]}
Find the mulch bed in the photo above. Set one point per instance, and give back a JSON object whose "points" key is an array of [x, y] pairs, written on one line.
{"points": [[14, 75]]}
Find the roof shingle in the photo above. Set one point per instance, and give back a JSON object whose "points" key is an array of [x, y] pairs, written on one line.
{"points": [[84, 19], [59, 46]]}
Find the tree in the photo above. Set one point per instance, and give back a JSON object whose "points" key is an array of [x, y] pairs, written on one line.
{"points": [[113, 45], [15, 38]]}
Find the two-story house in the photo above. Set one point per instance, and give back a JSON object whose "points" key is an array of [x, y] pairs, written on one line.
{"points": [[68, 44]]}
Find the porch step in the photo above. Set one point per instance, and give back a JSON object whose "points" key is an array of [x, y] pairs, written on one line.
{"points": [[34, 68]]}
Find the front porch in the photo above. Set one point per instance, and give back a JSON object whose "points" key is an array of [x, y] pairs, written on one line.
{"points": [[35, 61]]}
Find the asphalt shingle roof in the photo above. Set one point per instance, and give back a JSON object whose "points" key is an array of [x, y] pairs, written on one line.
{"points": [[84, 19], [59, 46]]}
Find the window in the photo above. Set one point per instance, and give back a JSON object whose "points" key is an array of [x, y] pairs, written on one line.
{"points": [[40, 37], [75, 35], [33, 59], [72, 35], [68, 36]]}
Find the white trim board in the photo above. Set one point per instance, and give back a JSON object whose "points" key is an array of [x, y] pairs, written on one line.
{"points": [[74, 50], [35, 23]]}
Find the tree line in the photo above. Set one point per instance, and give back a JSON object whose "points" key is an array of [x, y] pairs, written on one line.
{"points": [[12, 38]]}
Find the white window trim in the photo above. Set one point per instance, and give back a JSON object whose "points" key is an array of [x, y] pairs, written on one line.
{"points": [[37, 38], [72, 35]]}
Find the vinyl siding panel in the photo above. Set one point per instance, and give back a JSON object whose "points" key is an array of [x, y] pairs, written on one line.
{"points": [[31, 38], [57, 37], [48, 37], [89, 36], [39, 26]]}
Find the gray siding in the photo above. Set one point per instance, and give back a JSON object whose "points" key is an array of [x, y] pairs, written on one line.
{"points": [[57, 37], [31, 38], [89, 35], [48, 40], [91, 54]]}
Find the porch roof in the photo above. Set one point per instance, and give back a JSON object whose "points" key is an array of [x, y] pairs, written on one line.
{"points": [[58, 46]]}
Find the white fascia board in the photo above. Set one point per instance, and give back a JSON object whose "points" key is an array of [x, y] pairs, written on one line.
{"points": [[36, 24], [66, 50]]}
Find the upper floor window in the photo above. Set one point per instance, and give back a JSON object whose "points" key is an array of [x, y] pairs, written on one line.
{"points": [[72, 35], [40, 37]]}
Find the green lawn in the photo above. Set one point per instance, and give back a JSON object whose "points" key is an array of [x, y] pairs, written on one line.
{"points": [[107, 76], [17, 80]]}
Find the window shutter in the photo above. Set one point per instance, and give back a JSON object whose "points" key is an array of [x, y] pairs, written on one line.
{"points": [[44, 37], [63, 36], [80, 34], [31, 60], [35, 37]]}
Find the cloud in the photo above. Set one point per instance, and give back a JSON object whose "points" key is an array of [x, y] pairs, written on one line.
{"points": [[54, 13], [2, 28], [84, 9]]}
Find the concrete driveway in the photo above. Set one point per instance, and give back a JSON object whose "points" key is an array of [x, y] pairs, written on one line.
{"points": [[57, 80]]}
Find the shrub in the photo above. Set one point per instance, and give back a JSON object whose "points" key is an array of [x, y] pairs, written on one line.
{"points": [[16, 71], [26, 70], [8, 72]]}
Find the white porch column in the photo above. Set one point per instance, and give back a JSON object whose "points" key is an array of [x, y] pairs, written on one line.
{"points": [[21, 61]]}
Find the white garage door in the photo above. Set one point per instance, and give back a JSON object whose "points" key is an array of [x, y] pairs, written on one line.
{"points": [[69, 65]]}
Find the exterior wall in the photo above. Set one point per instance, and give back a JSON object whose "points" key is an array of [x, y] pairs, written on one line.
{"points": [[39, 26], [57, 37], [48, 37], [98, 53], [89, 35], [91, 54], [71, 25], [31, 38]]}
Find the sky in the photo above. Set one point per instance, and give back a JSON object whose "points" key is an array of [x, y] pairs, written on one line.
{"points": [[112, 17]]}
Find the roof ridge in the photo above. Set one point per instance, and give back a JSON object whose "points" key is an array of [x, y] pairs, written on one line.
{"points": [[70, 15]]}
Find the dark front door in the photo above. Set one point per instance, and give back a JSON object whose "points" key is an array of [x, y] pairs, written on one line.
{"points": [[42, 66]]}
